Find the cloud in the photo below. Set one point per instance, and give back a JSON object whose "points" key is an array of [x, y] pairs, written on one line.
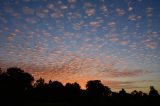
{"points": [[124, 42], [149, 11], [72, 1], [90, 12], [58, 37], [134, 17], [57, 14], [151, 45], [118, 84], [120, 12], [114, 39], [103, 8], [27, 10], [94, 24], [124, 73], [129, 85], [63, 7], [111, 24]]}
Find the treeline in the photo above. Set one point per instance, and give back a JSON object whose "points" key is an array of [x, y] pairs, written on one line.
{"points": [[19, 88]]}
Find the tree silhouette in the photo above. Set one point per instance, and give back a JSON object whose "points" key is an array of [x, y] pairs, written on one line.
{"points": [[137, 94], [22, 78], [39, 83], [15, 83], [72, 90], [123, 92], [73, 87], [153, 92], [56, 88], [96, 88], [16, 87]]}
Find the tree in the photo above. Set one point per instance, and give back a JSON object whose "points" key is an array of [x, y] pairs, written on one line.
{"points": [[20, 79], [122, 92], [39, 83], [56, 88], [153, 92], [136, 93], [15, 83], [72, 89], [73, 86], [96, 88]]}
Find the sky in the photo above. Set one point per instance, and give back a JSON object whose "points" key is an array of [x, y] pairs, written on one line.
{"points": [[115, 41]]}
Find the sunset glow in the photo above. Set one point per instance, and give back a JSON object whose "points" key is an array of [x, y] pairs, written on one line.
{"points": [[115, 41]]}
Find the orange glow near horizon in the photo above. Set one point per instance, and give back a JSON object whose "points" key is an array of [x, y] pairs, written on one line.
{"points": [[115, 84]]}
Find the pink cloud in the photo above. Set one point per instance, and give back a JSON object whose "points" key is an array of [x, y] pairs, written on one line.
{"points": [[151, 45]]}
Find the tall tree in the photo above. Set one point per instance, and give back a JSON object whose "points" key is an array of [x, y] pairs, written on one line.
{"points": [[96, 88]]}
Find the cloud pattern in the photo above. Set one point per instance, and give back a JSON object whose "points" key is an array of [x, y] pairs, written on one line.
{"points": [[79, 40]]}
